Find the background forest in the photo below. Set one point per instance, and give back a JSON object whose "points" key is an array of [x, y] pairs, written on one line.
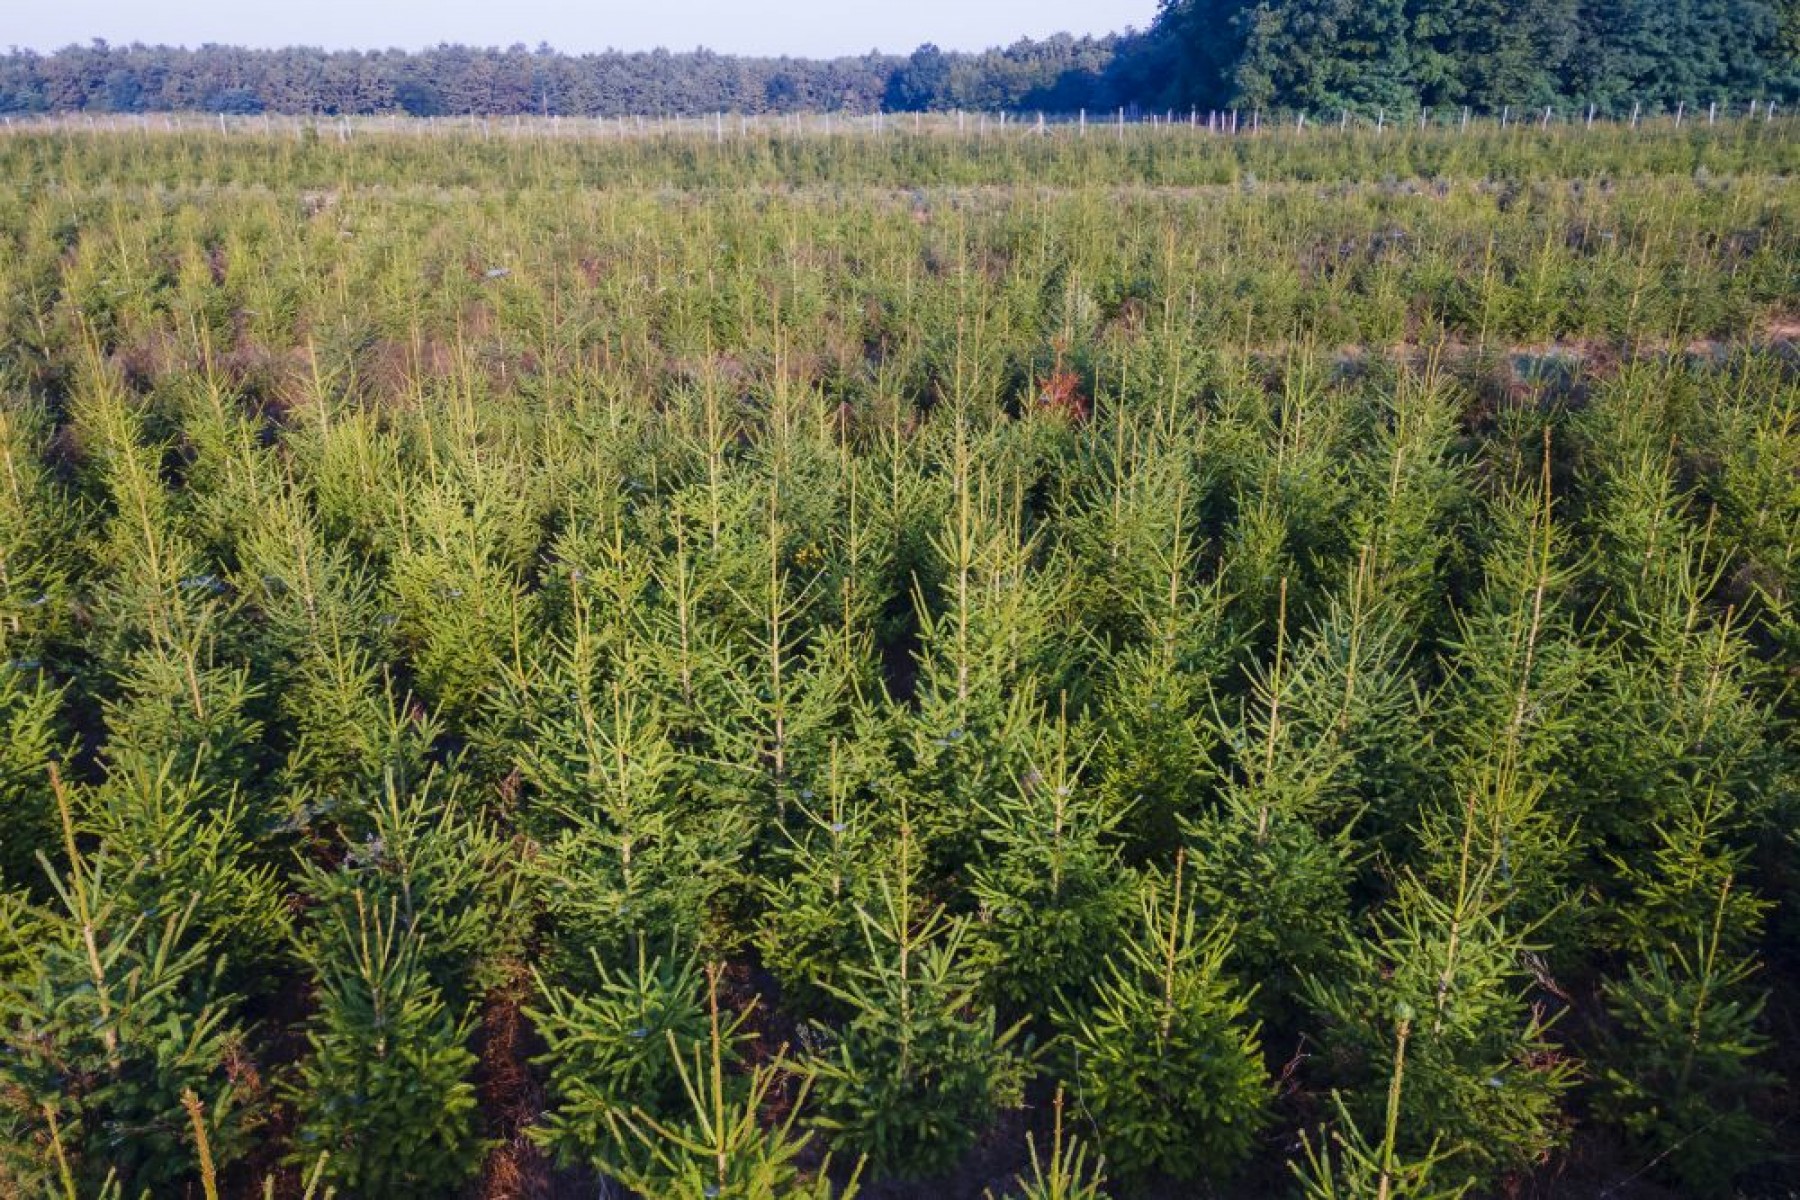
{"points": [[1311, 55]]}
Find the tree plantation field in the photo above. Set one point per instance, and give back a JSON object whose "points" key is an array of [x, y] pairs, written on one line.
{"points": [[1126, 662]]}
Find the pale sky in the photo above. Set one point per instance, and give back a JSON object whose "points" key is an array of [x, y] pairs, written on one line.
{"points": [[815, 28]]}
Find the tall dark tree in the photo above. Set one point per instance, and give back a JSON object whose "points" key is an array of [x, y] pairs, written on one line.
{"points": [[1326, 55], [923, 83], [1198, 47], [1493, 53]]}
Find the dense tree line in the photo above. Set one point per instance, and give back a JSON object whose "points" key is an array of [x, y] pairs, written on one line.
{"points": [[1318, 55], [1057, 73], [1486, 54]]}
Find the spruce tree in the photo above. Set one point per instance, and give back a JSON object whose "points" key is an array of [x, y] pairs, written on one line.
{"points": [[385, 1088], [719, 1146], [111, 1012], [1065, 1173], [1482, 1077], [1679, 1070], [828, 871], [618, 1056], [1165, 1057], [1346, 1162], [921, 1065], [1051, 886]]}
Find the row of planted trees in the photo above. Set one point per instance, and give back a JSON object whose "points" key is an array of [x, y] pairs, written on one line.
{"points": [[1180, 763], [1228, 768]]}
